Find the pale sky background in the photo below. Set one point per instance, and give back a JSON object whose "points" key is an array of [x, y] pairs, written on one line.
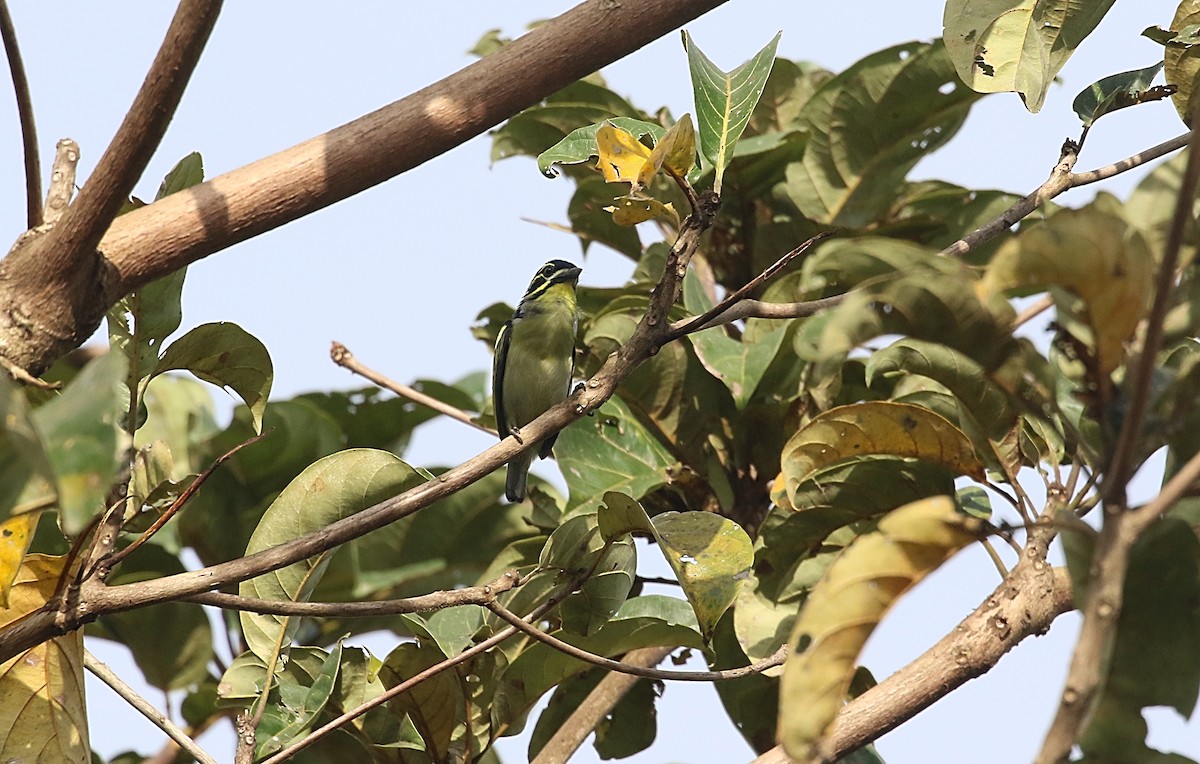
{"points": [[370, 271]]}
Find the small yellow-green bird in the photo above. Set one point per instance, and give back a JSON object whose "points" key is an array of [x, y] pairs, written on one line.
{"points": [[535, 358]]}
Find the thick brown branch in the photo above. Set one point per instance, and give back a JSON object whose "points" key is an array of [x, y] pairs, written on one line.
{"points": [[187, 226], [474, 595], [29, 143], [1026, 603], [55, 286], [596, 707]]}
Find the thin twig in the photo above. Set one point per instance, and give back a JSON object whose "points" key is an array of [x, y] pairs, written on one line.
{"points": [[115, 558], [1033, 310], [29, 142], [594, 708], [79, 232], [474, 595], [147, 709], [706, 319], [1143, 365], [342, 356], [416, 679], [757, 667], [1024, 604], [1121, 528]]}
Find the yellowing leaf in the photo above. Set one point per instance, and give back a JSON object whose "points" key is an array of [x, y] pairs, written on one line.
{"points": [[676, 151], [845, 606], [881, 428], [43, 716], [631, 210], [15, 534], [1096, 256], [621, 156]]}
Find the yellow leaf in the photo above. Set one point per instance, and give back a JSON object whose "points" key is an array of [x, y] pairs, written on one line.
{"points": [[43, 716], [631, 210], [847, 603], [1093, 254], [15, 534], [878, 428], [676, 151], [621, 155]]}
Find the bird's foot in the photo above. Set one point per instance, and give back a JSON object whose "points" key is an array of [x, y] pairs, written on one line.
{"points": [[516, 433]]}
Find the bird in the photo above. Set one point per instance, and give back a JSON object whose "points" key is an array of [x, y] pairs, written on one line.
{"points": [[534, 362]]}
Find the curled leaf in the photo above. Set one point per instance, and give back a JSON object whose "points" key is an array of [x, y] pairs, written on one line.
{"points": [[622, 157], [846, 605], [879, 428]]}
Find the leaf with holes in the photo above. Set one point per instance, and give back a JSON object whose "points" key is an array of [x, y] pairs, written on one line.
{"points": [[846, 605], [1001, 46], [876, 428], [725, 101]]}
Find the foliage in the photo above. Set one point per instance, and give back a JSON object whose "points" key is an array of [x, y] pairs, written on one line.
{"points": [[797, 474]]}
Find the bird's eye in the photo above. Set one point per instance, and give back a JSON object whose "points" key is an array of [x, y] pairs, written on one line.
{"points": [[548, 271]]}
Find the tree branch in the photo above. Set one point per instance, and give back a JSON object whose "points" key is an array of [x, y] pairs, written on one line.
{"points": [[95, 598], [473, 595], [1025, 603], [173, 232], [1122, 528], [147, 709], [29, 142], [595, 707], [52, 282], [343, 357], [632, 669]]}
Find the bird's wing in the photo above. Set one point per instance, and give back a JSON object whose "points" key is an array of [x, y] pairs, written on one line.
{"points": [[503, 340]]}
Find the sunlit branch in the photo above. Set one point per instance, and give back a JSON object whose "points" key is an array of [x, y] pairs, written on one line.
{"points": [[626, 668], [343, 357], [145, 707]]}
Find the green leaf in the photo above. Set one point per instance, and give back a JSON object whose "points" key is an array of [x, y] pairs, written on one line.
{"points": [[186, 173], [592, 223], [711, 556], [1153, 660], [225, 355], [79, 429], [26, 476], [848, 603], [740, 365], [1003, 46], [1181, 65], [876, 427], [752, 702], [1117, 91], [431, 704], [646, 621], [869, 126], [630, 727], [725, 100], [331, 489], [140, 322], [1094, 255], [541, 126], [611, 451], [580, 144], [172, 643], [304, 714]]}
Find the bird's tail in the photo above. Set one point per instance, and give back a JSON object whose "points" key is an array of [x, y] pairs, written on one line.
{"points": [[518, 471]]}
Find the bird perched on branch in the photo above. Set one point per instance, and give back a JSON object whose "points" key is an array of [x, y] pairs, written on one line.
{"points": [[535, 358]]}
